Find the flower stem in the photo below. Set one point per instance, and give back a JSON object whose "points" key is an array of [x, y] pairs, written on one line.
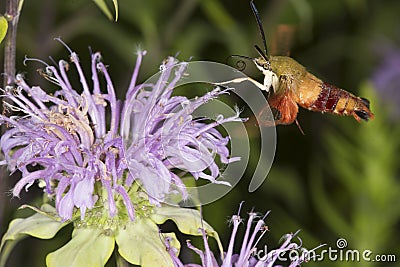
{"points": [[12, 15]]}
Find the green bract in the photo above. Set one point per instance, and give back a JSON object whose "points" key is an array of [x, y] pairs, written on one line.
{"points": [[88, 247], [139, 242]]}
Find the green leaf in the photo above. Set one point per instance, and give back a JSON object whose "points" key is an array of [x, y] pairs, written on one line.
{"points": [[3, 27], [37, 225], [189, 221], [88, 247], [218, 14], [20, 5], [115, 2], [103, 7], [141, 243], [41, 225]]}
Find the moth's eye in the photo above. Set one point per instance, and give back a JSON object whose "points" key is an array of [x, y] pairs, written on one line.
{"points": [[266, 66]]}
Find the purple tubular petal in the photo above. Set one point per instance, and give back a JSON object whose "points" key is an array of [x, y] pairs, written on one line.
{"points": [[250, 245], [66, 206], [112, 100], [110, 165], [82, 190], [111, 202], [228, 257], [92, 108], [130, 96], [127, 201], [246, 244], [32, 107], [209, 257], [96, 57], [62, 185], [68, 92], [198, 251], [132, 89], [28, 180], [100, 128], [173, 253]]}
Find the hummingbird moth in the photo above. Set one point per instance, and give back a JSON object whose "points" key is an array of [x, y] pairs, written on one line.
{"points": [[290, 85]]}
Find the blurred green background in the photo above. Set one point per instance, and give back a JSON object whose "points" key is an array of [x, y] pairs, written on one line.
{"points": [[339, 180]]}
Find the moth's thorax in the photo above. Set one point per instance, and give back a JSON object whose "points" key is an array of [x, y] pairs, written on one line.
{"points": [[282, 65]]}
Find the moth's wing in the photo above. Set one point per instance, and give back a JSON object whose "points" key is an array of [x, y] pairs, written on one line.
{"points": [[282, 39], [282, 104]]}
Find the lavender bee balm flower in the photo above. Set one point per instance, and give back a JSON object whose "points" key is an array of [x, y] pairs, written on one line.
{"points": [[68, 136], [108, 164]]}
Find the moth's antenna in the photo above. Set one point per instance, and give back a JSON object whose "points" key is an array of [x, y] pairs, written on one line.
{"points": [[260, 27], [261, 53]]}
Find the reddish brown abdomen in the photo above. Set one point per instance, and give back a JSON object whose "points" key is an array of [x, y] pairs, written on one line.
{"points": [[329, 98]]}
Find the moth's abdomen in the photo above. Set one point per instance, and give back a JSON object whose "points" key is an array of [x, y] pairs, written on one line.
{"points": [[338, 101]]}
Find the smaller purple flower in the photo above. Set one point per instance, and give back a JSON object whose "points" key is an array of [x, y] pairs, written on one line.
{"points": [[249, 255], [386, 78]]}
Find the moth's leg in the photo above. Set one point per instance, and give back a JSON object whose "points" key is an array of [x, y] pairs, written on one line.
{"points": [[298, 126], [240, 80]]}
